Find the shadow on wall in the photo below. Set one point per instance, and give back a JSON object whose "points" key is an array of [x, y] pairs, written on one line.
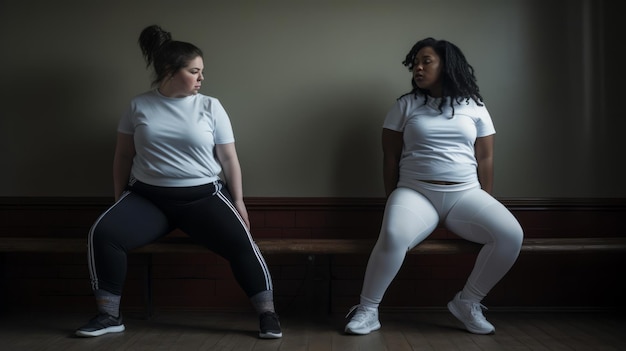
{"points": [[358, 158], [356, 155], [53, 139], [325, 141]]}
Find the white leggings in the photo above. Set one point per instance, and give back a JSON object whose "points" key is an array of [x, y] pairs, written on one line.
{"points": [[411, 216]]}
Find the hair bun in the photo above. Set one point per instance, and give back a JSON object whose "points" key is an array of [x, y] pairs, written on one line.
{"points": [[151, 39]]}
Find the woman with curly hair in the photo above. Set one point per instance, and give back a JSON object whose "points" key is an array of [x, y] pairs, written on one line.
{"points": [[438, 146]]}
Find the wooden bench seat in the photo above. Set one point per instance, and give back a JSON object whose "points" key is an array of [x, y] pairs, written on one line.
{"points": [[311, 247], [178, 244]]}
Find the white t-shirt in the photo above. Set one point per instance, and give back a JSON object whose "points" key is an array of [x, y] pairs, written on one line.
{"points": [[175, 138], [438, 146]]}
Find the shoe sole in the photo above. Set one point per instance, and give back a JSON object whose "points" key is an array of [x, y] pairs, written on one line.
{"points": [[270, 335], [363, 331], [115, 329], [458, 316]]}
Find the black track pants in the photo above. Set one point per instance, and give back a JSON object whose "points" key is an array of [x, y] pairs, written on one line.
{"points": [[145, 213]]}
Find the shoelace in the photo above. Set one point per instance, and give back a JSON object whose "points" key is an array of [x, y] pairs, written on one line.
{"points": [[477, 311], [354, 310]]}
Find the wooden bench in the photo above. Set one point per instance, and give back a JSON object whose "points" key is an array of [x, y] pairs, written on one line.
{"points": [[177, 244], [311, 247]]}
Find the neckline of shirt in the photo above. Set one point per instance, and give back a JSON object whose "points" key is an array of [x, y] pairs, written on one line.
{"points": [[159, 94]]}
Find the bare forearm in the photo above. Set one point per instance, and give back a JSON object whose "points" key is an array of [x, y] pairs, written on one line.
{"points": [[484, 156], [233, 177], [485, 174], [122, 163], [227, 156], [392, 142], [390, 175], [121, 174]]}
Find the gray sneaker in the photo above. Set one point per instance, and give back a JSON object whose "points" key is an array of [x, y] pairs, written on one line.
{"points": [[471, 315], [101, 324], [364, 320]]}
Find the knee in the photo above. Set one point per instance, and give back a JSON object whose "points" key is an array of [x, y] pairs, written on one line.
{"points": [[515, 237], [100, 235], [104, 237], [391, 240]]}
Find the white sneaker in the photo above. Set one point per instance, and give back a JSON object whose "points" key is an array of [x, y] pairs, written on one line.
{"points": [[471, 315], [363, 321]]}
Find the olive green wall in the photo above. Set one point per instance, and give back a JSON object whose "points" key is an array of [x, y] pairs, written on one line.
{"points": [[307, 85]]}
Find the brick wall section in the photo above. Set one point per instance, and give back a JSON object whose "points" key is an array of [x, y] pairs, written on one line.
{"points": [[204, 281]]}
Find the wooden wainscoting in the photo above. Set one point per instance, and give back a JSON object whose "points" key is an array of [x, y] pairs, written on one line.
{"points": [[204, 281]]}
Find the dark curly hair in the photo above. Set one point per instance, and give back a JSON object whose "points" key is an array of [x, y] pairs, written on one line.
{"points": [[457, 75], [166, 55]]}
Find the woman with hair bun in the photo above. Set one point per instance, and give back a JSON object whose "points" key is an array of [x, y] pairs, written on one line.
{"points": [[172, 145]]}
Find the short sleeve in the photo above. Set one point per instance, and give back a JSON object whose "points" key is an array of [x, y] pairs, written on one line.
{"points": [[484, 125], [396, 117], [223, 128], [125, 124]]}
